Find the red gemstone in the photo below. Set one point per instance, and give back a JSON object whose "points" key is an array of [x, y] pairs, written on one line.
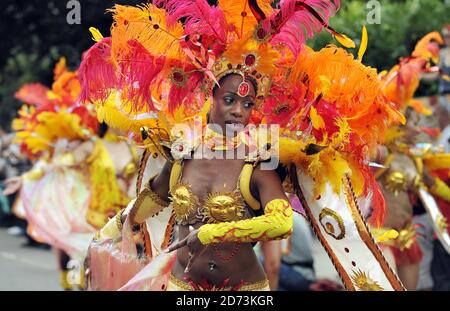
{"points": [[250, 60], [261, 34], [178, 77], [244, 89], [180, 148]]}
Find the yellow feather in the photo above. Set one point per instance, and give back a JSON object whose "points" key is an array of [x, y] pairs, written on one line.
{"points": [[388, 235], [383, 73], [119, 115], [345, 41], [324, 87], [139, 23], [96, 34], [316, 119], [364, 42], [357, 179]]}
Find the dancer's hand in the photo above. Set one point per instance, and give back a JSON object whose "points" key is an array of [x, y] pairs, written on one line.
{"points": [[196, 248], [12, 185]]}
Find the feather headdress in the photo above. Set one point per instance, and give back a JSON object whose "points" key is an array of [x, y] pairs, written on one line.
{"points": [[152, 54]]}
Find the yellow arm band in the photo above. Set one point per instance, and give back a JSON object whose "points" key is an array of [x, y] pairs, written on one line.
{"points": [[441, 189], [148, 204], [275, 224], [244, 185]]}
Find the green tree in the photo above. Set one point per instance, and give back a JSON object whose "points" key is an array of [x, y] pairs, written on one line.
{"points": [[402, 24], [35, 34]]}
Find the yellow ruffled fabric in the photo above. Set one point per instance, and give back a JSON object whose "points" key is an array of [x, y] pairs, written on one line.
{"points": [[106, 197]]}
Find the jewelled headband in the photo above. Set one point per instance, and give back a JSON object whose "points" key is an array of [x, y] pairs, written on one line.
{"points": [[247, 69]]}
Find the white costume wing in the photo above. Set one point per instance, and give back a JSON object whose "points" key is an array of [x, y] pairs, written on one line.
{"points": [[337, 222], [159, 227], [438, 220]]}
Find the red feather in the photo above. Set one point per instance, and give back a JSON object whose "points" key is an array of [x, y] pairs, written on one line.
{"points": [[298, 20], [97, 74], [138, 74], [181, 95], [200, 17], [378, 202], [281, 106], [88, 119]]}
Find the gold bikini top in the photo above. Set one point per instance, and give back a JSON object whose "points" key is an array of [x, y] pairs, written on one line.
{"points": [[217, 207]]}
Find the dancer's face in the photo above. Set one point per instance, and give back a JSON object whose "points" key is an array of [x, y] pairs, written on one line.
{"points": [[229, 110]]}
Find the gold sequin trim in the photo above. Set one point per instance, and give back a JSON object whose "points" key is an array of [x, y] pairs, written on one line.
{"points": [[184, 286], [155, 197], [119, 223]]}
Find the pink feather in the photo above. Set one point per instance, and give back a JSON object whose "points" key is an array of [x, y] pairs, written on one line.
{"points": [[200, 17], [97, 74], [138, 73], [297, 22], [186, 94]]}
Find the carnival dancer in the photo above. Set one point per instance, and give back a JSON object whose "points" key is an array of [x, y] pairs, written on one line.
{"points": [[403, 178], [72, 189], [236, 64]]}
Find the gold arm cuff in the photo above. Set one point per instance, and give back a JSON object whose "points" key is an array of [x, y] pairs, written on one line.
{"points": [[148, 204], [113, 228]]}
